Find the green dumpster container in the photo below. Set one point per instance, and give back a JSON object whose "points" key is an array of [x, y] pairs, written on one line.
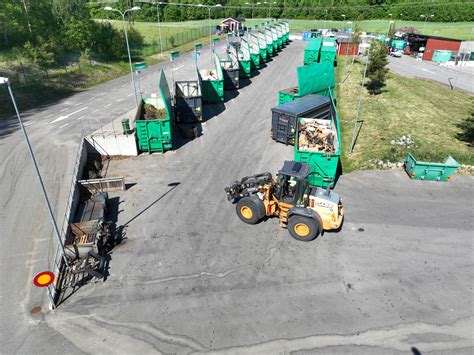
{"points": [[254, 52], [156, 135], [324, 165], [316, 78], [230, 65], [244, 59], [311, 52], [441, 56], [279, 36], [420, 170], [287, 32], [262, 46], [269, 42], [212, 83], [274, 39], [328, 51]]}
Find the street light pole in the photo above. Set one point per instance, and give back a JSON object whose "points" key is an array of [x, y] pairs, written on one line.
{"points": [[359, 105], [426, 19], [135, 8], [252, 6], [343, 30], [159, 26], [389, 23], [270, 8], [209, 7], [51, 215]]}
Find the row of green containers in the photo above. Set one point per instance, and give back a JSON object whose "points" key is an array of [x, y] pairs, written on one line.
{"points": [[156, 135], [261, 45], [320, 50]]}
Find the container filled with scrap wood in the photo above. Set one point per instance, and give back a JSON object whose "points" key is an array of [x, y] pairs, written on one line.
{"points": [[151, 112], [318, 145], [317, 135]]}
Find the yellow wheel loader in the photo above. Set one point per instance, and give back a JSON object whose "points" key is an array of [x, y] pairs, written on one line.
{"points": [[304, 209]]}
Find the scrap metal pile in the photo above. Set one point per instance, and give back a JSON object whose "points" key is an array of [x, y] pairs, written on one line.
{"points": [[315, 136]]}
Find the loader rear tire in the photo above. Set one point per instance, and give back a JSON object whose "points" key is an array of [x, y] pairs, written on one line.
{"points": [[250, 210], [303, 228]]}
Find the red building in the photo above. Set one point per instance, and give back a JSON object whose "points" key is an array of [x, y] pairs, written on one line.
{"points": [[346, 47], [439, 43], [231, 25]]}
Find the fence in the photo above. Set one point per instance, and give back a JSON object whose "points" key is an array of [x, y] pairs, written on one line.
{"points": [[73, 198], [104, 184], [172, 40]]}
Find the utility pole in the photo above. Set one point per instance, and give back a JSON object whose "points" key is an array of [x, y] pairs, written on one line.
{"points": [[359, 104], [159, 26], [38, 174]]}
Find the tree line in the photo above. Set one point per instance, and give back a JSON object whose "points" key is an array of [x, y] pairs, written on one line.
{"points": [[46, 32], [410, 10]]}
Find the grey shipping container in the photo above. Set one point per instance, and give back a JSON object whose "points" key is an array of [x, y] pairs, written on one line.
{"points": [[285, 116], [188, 101], [230, 65]]}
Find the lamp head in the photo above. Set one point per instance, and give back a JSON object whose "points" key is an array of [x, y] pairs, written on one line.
{"points": [[3, 80], [108, 8], [135, 8]]}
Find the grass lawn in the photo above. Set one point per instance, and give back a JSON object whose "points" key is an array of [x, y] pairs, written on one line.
{"points": [[426, 111], [61, 83], [457, 30]]}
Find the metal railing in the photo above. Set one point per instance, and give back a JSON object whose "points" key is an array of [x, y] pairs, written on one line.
{"points": [[104, 185], [58, 262]]}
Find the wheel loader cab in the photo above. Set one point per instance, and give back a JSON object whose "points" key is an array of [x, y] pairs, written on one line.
{"points": [[292, 184]]}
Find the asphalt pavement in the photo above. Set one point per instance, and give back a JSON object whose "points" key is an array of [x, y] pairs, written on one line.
{"points": [[190, 277], [460, 78]]}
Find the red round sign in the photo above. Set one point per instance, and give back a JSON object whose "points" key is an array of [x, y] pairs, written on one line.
{"points": [[44, 279]]}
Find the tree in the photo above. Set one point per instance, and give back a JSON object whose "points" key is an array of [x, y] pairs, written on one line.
{"points": [[70, 10], [79, 35], [40, 54], [467, 128], [376, 67]]}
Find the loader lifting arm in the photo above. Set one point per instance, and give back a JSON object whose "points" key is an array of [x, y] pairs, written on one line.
{"points": [[247, 186]]}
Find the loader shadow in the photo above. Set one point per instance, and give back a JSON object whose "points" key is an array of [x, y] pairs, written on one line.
{"points": [[121, 231]]}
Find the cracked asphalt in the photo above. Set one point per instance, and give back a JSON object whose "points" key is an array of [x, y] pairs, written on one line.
{"points": [[189, 277]]}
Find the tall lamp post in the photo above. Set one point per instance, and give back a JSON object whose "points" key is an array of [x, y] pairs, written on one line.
{"points": [[389, 23], [209, 7], [270, 7], [135, 8], [343, 30], [426, 19], [159, 26], [252, 6], [38, 174]]}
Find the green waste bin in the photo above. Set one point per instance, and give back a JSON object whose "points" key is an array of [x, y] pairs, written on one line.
{"points": [[420, 170], [126, 125], [324, 165]]}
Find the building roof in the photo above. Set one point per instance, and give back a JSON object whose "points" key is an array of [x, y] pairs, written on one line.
{"points": [[233, 19], [422, 37]]}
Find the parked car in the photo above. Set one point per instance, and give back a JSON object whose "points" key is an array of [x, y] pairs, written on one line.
{"points": [[396, 53]]}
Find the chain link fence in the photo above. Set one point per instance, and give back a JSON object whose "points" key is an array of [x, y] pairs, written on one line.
{"points": [[173, 40]]}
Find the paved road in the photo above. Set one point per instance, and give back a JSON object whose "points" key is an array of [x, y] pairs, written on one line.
{"points": [[190, 277], [55, 130], [461, 78]]}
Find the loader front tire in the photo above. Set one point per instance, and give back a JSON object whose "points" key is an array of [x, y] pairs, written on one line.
{"points": [[303, 228], [250, 210]]}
